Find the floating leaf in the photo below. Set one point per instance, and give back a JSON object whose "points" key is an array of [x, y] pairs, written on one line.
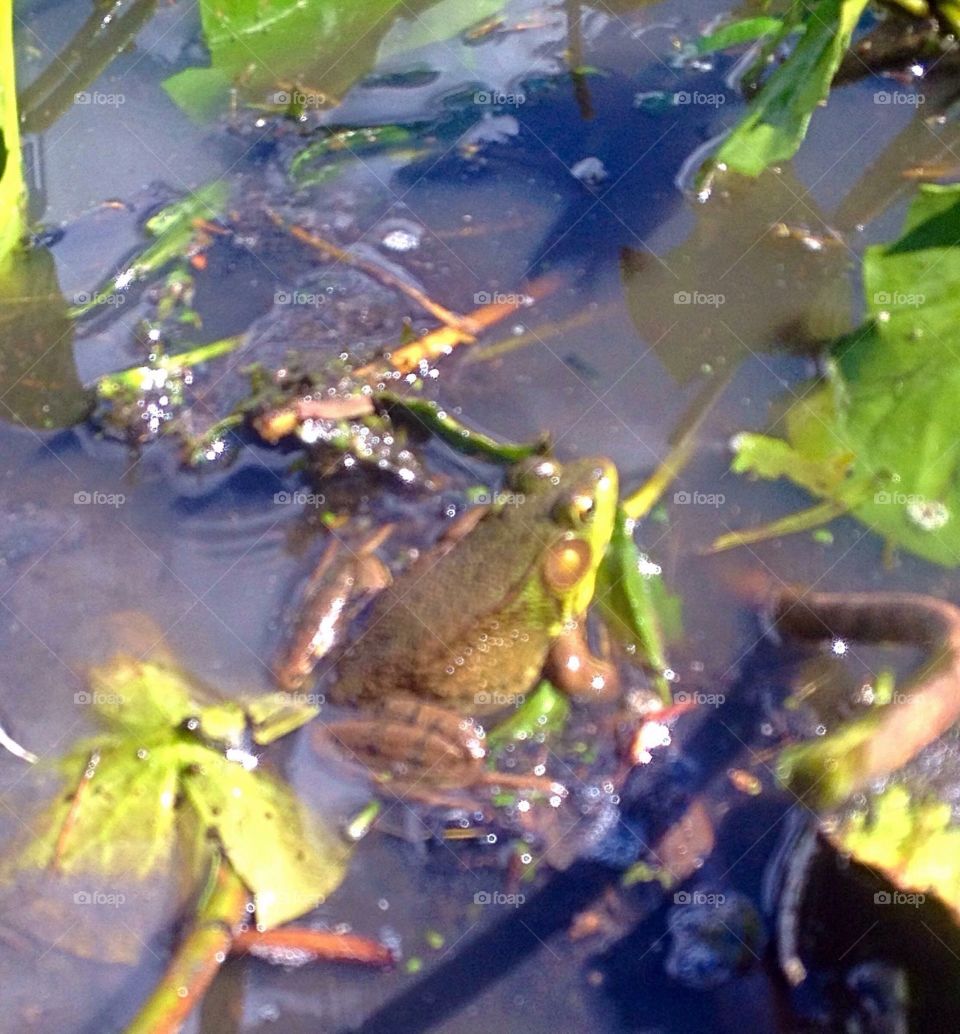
{"points": [[877, 436], [912, 838], [265, 43], [286, 858], [170, 753], [777, 120]]}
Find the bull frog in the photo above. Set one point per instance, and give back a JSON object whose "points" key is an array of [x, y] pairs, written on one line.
{"points": [[469, 626]]}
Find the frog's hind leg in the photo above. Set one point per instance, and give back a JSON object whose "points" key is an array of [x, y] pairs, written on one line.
{"points": [[425, 744]]}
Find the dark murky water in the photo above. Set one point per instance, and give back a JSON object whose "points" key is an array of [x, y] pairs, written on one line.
{"points": [[580, 181]]}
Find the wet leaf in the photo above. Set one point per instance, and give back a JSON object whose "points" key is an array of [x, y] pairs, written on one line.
{"points": [[544, 710], [777, 120], [286, 858], [744, 30], [877, 435], [635, 603], [912, 838], [169, 754], [271, 43]]}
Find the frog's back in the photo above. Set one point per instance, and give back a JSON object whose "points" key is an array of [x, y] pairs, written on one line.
{"points": [[471, 626]]}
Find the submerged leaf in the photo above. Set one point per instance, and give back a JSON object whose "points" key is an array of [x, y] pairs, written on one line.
{"points": [[877, 436]]}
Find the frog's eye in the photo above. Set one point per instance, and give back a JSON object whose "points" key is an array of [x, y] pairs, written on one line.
{"points": [[575, 511]]}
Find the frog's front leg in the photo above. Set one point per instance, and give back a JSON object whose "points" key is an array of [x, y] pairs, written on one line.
{"points": [[342, 582], [576, 670]]}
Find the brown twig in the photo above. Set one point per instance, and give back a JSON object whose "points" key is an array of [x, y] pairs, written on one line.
{"points": [[461, 324], [276, 945]]}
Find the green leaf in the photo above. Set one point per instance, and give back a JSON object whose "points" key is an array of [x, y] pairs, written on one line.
{"points": [[171, 760], [776, 123], [635, 603], [271, 43], [286, 858], [744, 30], [877, 436], [544, 710]]}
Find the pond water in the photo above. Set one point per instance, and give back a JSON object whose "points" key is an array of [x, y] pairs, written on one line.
{"points": [[662, 311]]}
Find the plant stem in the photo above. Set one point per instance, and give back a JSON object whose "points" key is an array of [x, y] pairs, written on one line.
{"points": [[11, 171], [198, 956]]}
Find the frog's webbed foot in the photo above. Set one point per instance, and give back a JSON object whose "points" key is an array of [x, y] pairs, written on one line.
{"points": [[573, 667]]}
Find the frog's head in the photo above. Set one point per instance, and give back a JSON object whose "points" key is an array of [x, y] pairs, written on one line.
{"points": [[577, 503]]}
